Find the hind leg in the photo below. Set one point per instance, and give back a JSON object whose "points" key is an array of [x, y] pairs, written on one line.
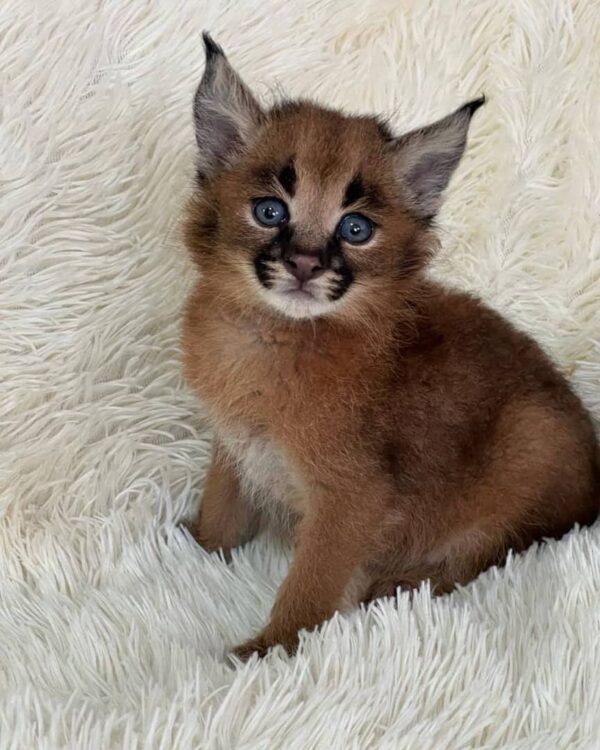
{"points": [[443, 574], [539, 480], [445, 555]]}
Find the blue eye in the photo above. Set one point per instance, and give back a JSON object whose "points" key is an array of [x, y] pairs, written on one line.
{"points": [[270, 212], [356, 229]]}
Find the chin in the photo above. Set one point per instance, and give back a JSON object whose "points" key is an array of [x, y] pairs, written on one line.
{"points": [[298, 305]]}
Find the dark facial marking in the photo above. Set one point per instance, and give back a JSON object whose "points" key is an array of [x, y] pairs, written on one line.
{"points": [[276, 249], [354, 192], [262, 269], [342, 283], [344, 274], [284, 241], [357, 190], [287, 178]]}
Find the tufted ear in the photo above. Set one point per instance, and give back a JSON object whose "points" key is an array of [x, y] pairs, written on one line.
{"points": [[226, 115], [426, 158]]}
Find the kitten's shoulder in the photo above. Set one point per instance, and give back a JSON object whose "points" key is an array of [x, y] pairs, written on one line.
{"points": [[458, 312]]}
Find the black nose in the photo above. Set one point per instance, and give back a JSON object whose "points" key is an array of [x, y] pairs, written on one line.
{"points": [[304, 267]]}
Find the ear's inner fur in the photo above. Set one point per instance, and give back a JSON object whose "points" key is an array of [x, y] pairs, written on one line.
{"points": [[427, 157]]}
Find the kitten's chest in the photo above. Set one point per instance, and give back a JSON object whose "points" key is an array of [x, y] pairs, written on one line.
{"points": [[246, 379], [263, 470]]}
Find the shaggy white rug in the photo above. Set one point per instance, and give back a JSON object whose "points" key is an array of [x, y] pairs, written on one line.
{"points": [[113, 623]]}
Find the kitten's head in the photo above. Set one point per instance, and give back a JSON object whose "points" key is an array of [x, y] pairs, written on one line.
{"points": [[307, 211]]}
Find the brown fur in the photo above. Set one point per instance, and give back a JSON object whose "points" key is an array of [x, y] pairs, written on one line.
{"points": [[418, 434]]}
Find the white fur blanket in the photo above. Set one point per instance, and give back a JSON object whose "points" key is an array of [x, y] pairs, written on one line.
{"points": [[112, 621]]}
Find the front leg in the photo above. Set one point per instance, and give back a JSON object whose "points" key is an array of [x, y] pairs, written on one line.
{"points": [[226, 519], [333, 540]]}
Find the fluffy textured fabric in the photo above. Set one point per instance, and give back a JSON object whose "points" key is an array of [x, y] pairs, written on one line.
{"points": [[113, 622]]}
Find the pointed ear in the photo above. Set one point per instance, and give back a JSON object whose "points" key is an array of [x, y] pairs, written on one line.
{"points": [[425, 159], [226, 115]]}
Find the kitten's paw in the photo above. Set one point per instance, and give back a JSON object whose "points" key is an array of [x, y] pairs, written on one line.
{"points": [[254, 646], [262, 643], [206, 541]]}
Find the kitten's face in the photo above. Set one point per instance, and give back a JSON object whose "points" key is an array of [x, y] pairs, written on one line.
{"points": [[306, 211], [310, 219]]}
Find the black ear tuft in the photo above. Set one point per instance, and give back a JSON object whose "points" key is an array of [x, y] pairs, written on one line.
{"points": [[210, 46], [474, 105]]}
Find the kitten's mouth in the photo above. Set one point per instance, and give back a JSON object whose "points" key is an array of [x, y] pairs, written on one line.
{"points": [[300, 292]]}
